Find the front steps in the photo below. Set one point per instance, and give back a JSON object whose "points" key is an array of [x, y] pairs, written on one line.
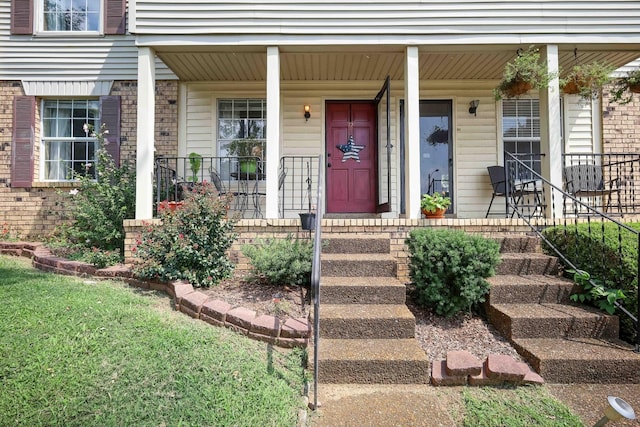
{"points": [[366, 330], [565, 343]]}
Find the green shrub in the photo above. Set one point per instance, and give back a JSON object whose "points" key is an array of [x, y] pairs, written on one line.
{"points": [[449, 268], [98, 207], [609, 254], [281, 261], [191, 242]]}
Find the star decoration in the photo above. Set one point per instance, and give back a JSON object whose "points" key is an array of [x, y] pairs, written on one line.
{"points": [[350, 150]]}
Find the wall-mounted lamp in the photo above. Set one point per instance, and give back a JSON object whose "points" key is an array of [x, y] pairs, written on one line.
{"points": [[307, 114], [473, 106]]}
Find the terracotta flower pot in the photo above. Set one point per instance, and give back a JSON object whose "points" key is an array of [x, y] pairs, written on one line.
{"points": [[171, 206], [438, 213], [634, 88]]}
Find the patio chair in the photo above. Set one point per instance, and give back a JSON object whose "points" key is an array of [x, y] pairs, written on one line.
{"points": [[587, 181], [498, 184], [240, 196]]}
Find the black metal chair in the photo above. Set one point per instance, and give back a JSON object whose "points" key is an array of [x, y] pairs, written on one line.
{"points": [[498, 183], [587, 181]]}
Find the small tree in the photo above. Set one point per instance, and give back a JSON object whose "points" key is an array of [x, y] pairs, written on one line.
{"points": [[191, 243]]}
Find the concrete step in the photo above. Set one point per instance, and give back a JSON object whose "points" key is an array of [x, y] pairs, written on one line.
{"points": [[362, 290], [527, 263], [517, 243], [551, 321], [356, 244], [581, 360], [532, 289], [370, 321], [377, 361], [358, 265]]}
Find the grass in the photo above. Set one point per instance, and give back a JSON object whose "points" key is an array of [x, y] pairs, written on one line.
{"points": [[80, 353], [514, 407]]}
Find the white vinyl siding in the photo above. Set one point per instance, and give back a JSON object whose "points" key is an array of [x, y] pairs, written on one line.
{"points": [[68, 58], [454, 19]]}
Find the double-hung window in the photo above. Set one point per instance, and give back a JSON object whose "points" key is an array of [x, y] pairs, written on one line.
{"points": [[71, 15], [242, 127], [68, 150], [521, 130]]}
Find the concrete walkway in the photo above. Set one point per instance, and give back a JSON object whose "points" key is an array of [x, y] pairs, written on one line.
{"points": [[425, 405]]}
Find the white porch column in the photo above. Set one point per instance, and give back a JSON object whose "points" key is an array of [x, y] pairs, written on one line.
{"points": [[412, 134], [273, 131], [144, 133], [550, 128]]}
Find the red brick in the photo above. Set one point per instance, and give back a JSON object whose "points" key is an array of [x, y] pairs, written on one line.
{"points": [[531, 376], [462, 363], [266, 325], [439, 375], [292, 342], [483, 380], [192, 302], [241, 317], [503, 367], [115, 271], [180, 290], [216, 310], [296, 328], [264, 338]]}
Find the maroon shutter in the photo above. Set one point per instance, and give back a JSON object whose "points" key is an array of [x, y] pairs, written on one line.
{"points": [[24, 117], [22, 17], [114, 16], [110, 117]]}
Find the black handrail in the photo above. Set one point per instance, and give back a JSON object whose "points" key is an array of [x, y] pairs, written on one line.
{"points": [[315, 283], [536, 200]]}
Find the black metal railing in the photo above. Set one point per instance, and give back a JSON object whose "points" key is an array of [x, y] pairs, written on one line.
{"points": [[609, 182], [242, 177], [297, 184], [315, 281], [547, 208]]}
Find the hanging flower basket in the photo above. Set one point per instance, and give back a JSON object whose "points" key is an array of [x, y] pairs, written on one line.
{"points": [[516, 87], [635, 88]]}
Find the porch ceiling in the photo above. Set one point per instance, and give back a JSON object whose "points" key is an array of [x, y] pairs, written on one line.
{"points": [[242, 64]]}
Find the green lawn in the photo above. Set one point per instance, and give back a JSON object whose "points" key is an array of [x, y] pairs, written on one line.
{"points": [[75, 352]]}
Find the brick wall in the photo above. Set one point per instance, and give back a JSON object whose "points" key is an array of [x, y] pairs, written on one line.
{"points": [[397, 230], [31, 213], [621, 126]]}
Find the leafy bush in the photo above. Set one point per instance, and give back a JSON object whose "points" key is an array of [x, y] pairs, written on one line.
{"points": [[191, 242], [98, 207], [449, 268], [609, 254], [281, 261]]}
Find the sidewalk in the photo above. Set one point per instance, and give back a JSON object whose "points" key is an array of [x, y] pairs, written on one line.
{"points": [[425, 405]]}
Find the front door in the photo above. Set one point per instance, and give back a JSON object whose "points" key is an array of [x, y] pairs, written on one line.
{"points": [[351, 157]]}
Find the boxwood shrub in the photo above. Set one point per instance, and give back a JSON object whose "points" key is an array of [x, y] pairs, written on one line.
{"points": [[609, 254], [449, 268]]}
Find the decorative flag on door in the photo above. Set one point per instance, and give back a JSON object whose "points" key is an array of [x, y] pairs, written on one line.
{"points": [[350, 150]]}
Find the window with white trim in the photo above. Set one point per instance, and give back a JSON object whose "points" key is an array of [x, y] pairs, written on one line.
{"points": [[521, 130], [68, 150], [75, 16]]}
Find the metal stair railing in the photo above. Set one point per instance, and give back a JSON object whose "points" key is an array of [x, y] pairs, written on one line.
{"points": [[541, 205], [315, 281]]}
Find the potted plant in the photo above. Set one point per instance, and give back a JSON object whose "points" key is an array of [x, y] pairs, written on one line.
{"points": [[525, 72], [434, 205], [248, 150], [195, 161], [624, 87], [587, 80]]}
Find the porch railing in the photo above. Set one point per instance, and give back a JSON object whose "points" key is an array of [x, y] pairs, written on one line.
{"points": [[244, 178], [542, 205], [609, 182], [315, 282]]}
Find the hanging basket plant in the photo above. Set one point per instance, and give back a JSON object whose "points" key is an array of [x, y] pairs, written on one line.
{"points": [[625, 87], [587, 80], [525, 72]]}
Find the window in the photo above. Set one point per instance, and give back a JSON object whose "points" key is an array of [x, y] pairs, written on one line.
{"points": [[242, 127], [71, 15], [67, 149], [521, 130]]}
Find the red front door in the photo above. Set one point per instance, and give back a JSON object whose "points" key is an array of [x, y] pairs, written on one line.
{"points": [[351, 157]]}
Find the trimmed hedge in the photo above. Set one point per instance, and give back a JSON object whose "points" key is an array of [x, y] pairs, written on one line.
{"points": [[449, 268], [607, 252]]}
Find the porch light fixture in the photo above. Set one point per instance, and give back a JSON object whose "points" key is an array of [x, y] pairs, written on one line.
{"points": [[473, 106], [616, 409], [307, 114]]}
